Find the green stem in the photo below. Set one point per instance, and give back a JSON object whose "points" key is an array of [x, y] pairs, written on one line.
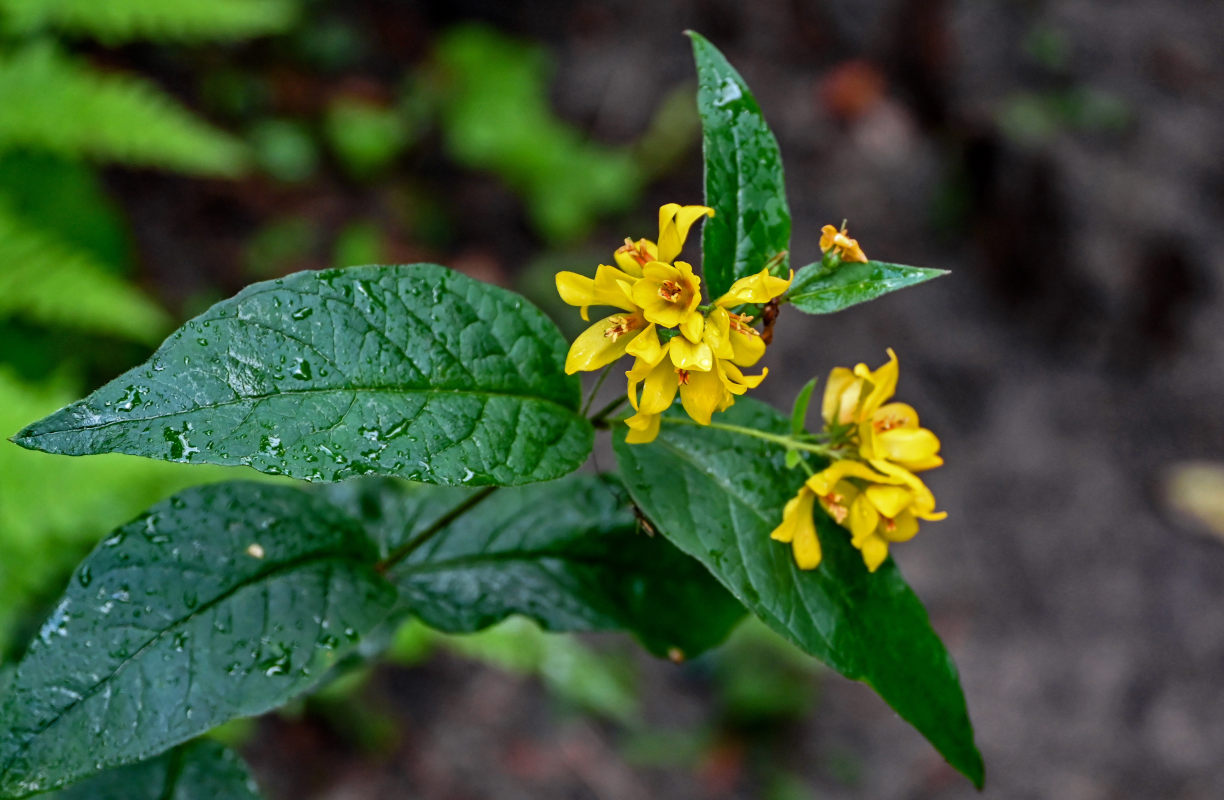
{"points": [[602, 414], [603, 376], [410, 546]]}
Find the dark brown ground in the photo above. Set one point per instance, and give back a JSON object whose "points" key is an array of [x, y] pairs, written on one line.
{"points": [[1074, 355]]}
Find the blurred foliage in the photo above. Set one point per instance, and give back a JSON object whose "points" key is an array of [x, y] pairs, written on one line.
{"points": [[71, 109], [1037, 117], [496, 117], [64, 247], [114, 21], [366, 137], [596, 682], [48, 281], [48, 522]]}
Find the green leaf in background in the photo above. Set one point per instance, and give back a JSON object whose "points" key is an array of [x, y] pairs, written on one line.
{"points": [[743, 176], [817, 290], [566, 554], [116, 21], [496, 116], [47, 523], [413, 371], [164, 633], [199, 770], [597, 681], [717, 495], [54, 283], [70, 110]]}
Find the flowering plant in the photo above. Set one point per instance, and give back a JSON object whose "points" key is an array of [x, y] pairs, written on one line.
{"points": [[231, 599]]}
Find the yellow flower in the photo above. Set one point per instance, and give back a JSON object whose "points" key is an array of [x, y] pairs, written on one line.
{"points": [[886, 431], [675, 221], [878, 507], [705, 382], [611, 287], [669, 295], [603, 342], [833, 239], [759, 288], [799, 530]]}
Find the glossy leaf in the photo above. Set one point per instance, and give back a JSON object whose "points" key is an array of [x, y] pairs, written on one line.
{"points": [[224, 601], [817, 290], [199, 770], [717, 495], [566, 553], [743, 176], [414, 371]]}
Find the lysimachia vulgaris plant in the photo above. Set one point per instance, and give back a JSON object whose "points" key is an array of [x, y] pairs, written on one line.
{"points": [[440, 423]]}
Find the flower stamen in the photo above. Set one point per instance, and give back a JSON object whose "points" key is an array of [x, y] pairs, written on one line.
{"points": [[619, 326], [669, 290]]}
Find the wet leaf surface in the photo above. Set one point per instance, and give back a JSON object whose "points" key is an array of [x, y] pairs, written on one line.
{"points": [[568, 554], [717, 495], [224, 601], [199, 770], [414, 371], [816, 290], [743, 176]]}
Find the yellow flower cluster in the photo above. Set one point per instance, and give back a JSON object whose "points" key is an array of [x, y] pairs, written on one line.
{"points": [[875, 493], [678, 346]]}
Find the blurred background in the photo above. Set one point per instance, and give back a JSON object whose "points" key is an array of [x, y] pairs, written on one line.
{"points": [[1063, 159]]}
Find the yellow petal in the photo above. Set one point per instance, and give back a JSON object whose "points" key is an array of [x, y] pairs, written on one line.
{"points": [[792, 514], [737, 382], [686, 355], [806, 548], [863, 520], [913, 448], [609, 288], [643, 428], [924, 501], [759, 288], [746, 349], [875, 551], [883, 384], [692, 326], [701, 395], [903, 528], [603, 342], [647, 348], [675, 221], [717, 333], [823, 482], [659, 389], [889, 500], [841, 396], [632, 256]]}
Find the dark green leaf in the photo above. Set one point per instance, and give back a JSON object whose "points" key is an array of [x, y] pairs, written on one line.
{"points": [[717, 495], [800, 409], [567, 554], [743, 176], [224, 601], [199, 770], [414, 371], [816, 290]]}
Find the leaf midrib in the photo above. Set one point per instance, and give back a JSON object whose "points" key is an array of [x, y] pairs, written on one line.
{"points": [[32, 434]]}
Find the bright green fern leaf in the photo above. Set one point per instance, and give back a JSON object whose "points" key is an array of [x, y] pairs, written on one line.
{"points": [[48, 281], [124, 20], [54, 103]]}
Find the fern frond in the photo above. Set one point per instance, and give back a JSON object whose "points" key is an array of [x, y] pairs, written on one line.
{"points": [[50, 282], [114, 21], [54, 103]]}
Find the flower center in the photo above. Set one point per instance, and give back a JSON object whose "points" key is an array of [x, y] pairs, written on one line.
{"points": [[683, 376], [834, 504], [887, 423], [742, 323], [620, 325], [669, 290], [634, 251]]}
